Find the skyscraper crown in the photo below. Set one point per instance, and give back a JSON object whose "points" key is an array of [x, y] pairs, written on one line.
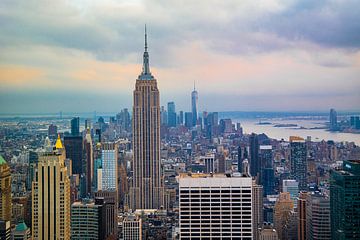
{"points": [[146, 74]]}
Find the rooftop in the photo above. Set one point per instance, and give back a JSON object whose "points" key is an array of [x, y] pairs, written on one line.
{"points": [[2, 160]]}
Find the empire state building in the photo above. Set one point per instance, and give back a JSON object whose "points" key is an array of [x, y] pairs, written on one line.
{"points": [[147, 188]]}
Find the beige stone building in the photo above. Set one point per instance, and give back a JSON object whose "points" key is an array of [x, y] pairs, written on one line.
{"points": [[51, 196], [5, 190], [147, 188]]}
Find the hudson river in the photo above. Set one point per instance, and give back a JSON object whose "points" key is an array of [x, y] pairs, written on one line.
{"points": [[250, 126]]}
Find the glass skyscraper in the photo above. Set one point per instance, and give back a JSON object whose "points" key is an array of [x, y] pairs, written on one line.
{"points": [[345, 201], [298, 161]]}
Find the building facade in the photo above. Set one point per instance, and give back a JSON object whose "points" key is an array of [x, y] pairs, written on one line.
{"points": [[194, 106], [132, 228], [88, 220], [282, 212], [109, 156], [215, 206], [51, 197], [147, 187], [298, 157], [5, 190], [345, 201], [317, 217], [291, 186], [74, 151]]}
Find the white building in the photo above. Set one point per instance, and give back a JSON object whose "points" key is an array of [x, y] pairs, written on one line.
{"points": [[215, 206], [132, 228], [109, 153]]}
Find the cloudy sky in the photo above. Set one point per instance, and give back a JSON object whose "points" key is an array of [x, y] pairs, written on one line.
{"points": [[249, 55]]}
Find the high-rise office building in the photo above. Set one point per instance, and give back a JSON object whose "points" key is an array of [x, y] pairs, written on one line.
{"points": [[51, 196], [163, 116], [298, 161], [110, 199], [88, 220], [239, 159], [147, 186], [171, 114], [255, 165], [75, 126], [291, 186], [345, 201], [258, 217], [302, 215], [74, 151], [188, 119], [226, 126], [333, 120], [89, 160], [109, 156], [132, 228], [267, 176], [317, 217], [181, 117], [5, 190], [33, 160], [123, 118], [52, 131], [194, 106], [215, 206], [282, 211]]}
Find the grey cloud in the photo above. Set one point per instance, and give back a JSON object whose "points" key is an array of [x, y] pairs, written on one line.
{"points": [[114, 32]]}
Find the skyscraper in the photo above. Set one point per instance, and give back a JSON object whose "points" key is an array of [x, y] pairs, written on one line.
{"points": [[258, 217], [109, 156], [302, 215], [147, 187], [5, 191], [188, 120], [333, 120], [51, 196], [282, 211], [74, 151], [181, 117], [52, 131], [291, 186], [87, 220], [194, 106], [298, 156], [75, 126], [317, 217], [132, 228], [215, 207], [171, 114], [239, 158], [255, 165], [345, 201], [89, 157], [110, 202], [267, 178]]}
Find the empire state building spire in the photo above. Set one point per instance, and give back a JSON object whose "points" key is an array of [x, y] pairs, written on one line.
{"points": [[146, 74]]}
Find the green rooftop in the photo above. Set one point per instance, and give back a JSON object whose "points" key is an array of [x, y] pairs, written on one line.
{"points": [[2, 160], [21, 227]]}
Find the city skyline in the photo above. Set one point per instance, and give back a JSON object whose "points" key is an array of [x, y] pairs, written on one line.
{"points": [[272, 56]]}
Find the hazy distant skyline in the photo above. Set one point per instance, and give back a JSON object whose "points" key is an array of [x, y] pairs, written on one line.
{"points": [[81, 56]]}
